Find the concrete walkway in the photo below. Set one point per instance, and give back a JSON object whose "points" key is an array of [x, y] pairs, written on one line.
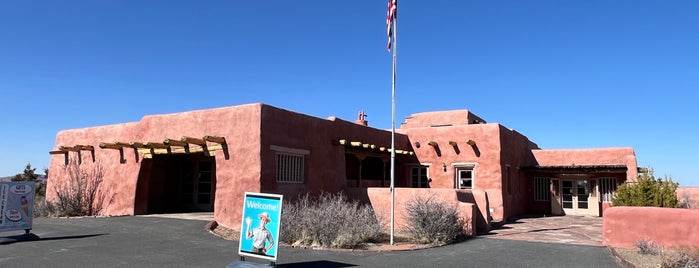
{"points": [[574, 230]]}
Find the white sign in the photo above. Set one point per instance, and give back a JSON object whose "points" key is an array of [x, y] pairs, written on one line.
{"points": [[16, 205]]}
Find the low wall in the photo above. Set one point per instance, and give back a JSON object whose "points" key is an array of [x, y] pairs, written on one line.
{"points": [[380, 200], [669, 227]]}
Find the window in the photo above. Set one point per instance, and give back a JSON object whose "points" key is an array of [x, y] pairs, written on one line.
{"points": [[418, 177], [290, 164], [464, 178], [289, 168], [542, 189], [607, 188]]}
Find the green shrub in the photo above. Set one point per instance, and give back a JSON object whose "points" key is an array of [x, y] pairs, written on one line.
{"points": [[329, 220], [432, 221], [647, 192]]}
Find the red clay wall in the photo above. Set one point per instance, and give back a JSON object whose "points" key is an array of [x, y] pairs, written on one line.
{"points": [[380, 200], [485, 154], [238, 124], [669, 227]]}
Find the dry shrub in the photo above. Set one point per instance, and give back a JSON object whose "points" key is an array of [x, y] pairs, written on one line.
{"points": [[683, 257], [646, 246], [432, 221], [80, 195], [329, 220]]}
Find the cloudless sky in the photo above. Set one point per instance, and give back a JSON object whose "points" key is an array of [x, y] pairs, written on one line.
{"points": [[566, 74]]}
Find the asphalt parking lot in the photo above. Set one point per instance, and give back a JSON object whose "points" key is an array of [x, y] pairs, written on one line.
{"points": [[172, 242]]}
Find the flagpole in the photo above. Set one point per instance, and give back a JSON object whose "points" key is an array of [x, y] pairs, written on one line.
{"points": [[393, 127]]}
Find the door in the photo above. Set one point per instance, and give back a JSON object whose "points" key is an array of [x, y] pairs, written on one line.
{"points": [[198, 190], [575, 195]]}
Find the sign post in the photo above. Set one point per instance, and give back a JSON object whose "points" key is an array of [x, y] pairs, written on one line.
{"points": [[259, 228]]}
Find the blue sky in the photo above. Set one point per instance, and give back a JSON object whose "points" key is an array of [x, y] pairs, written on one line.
{"points": [[567, 74]]}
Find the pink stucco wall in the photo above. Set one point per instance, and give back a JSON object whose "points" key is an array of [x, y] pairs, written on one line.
{"points": [[254, 131], [669, 227], [121, 178], [250, 131], [484, 156], [380, 200], [689, 195]]}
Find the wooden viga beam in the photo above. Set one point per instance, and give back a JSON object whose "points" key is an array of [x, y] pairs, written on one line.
{"points": [[216, 139], [156, 145], [58, 152], [113, 145], [192, 140], [137, 145], [172, 142], [69, 148], [84, 147]]}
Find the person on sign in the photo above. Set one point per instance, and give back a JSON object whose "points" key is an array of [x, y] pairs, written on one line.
{"points": [[260, 234]]}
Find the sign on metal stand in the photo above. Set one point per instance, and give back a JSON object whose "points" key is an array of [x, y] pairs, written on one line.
{"points": [[259, 228], [16, 205]]}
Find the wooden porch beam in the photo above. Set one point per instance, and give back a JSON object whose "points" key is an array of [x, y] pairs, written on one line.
{"points": [[66, 148], [172, 142], [216, 139], [85, 147], [156, 145], [192, 140], [138, 145], [114, 145], [58, 152]]}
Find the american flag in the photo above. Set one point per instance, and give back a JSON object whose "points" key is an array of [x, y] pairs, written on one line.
{"points": [[390, 17]]}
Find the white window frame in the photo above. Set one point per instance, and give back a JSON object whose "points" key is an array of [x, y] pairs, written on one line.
{"points": [[290, 164], [458, 167]]}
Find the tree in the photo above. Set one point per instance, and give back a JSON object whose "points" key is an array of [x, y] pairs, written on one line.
{"points": [[647, 192], [27, 175]]}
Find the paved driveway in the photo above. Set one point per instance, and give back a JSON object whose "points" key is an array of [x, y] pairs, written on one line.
{"points": [[170, 242], [576, 230]]}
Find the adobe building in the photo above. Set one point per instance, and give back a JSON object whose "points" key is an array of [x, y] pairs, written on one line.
{"points": [[206, 160]]}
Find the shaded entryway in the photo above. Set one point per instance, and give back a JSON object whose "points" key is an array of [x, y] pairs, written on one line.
{"points": [[578, 230], [176, 183]]}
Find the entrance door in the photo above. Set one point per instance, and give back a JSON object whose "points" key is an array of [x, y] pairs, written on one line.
{"points": [[197, 192], [575, 195]]}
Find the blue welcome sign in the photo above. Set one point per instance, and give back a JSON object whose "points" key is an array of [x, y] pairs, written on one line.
{"points": [[259, 229]]}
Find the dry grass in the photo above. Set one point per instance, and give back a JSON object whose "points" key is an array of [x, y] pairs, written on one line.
{"points": [[639, 260]]}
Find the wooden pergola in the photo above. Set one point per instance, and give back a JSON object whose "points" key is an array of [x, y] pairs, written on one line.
{"points": [[184, 145]]}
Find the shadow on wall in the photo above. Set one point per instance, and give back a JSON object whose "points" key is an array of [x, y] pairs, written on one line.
{"points": [[482, 217]]}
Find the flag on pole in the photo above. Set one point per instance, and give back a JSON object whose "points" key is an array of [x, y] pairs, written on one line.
{"points": [[390, 17]]}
